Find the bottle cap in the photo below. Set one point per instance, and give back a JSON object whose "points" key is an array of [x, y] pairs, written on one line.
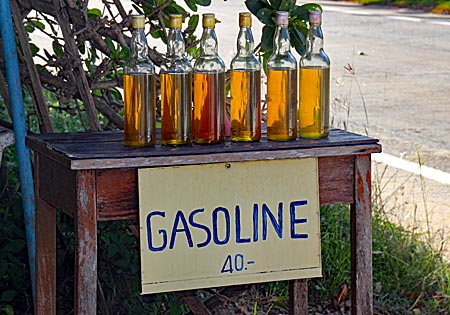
{"points": [[282, 18], [209, 20], [245, 19], [175, 20], [315, 17], [138, 21]]}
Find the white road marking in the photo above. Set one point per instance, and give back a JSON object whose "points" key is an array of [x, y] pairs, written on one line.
{"points": [[404, 18], [415, 168]]}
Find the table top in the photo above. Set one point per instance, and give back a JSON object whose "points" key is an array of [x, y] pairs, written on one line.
{"points": [[100, 150]]}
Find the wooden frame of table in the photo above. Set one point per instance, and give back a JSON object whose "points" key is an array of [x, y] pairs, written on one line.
{"points": [[93, 177]]}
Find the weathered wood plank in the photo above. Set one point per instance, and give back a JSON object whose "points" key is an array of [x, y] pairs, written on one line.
{"points": [[117, 189], [361, 239], [117, 194], [221, 157], [57, 185], [85, 301], [106, 150], [298, 297], [336, 179], [45, 273]]}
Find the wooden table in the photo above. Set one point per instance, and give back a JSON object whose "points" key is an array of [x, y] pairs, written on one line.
{"points": [[93, 177]]}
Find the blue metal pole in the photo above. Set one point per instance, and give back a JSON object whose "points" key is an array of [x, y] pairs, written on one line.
{"points": [[18, 113]]}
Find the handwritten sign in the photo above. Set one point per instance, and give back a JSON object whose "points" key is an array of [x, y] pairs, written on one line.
{"points": [[228, 223]]}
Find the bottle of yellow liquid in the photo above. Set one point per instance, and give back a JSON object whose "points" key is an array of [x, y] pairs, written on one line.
{"points": [[139, 91], [245, 86], [209, 88], [282, 85], [176, 89], [314, 113]]}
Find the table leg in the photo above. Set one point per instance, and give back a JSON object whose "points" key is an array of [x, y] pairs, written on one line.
{"points": [[86, 245], [45, 300], [361, 239], [298, 297]]}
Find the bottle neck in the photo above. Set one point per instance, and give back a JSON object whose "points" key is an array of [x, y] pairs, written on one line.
{"points": [[281, 40], [138, 44], [208, 44], [245, 41], [175, 43], [315, 39]]}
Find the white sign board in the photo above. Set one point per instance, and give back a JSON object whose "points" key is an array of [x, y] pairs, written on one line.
{"points": [[229, 223]]}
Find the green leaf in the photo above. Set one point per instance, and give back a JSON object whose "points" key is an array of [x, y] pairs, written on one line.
{"points": [[276, 4], [39, 25], [34, 49], [174, 8], [267, 38], [3, 267], [112, 250], [204, 2], [265, 16], [29, 27], [57, 48], [286, 5], [15, 246], [124, 53], [300, 12], [94, 13], [191, 4], [97, 92], [193, 22], [110, 44], [8, 295], [117, 95], [8, 310], [298, 41], [312, 6], [255, 5]]}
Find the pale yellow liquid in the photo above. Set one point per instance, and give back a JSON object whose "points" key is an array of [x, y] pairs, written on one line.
{"points": [[139, 110], [281, 104], [314, 116], [209, 107], [245, 105], [176, 108]]}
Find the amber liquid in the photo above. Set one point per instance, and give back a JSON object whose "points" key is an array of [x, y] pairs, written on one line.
{"points": [[314, 103], [281, 104], [209, 107], [245, 105], [176, 105], [139, 110]]}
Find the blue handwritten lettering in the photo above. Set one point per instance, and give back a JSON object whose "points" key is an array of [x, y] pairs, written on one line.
{"points": [[200, 226], [294, 220], [215, 216], [179, 217], [277, 226], [149, 232]]}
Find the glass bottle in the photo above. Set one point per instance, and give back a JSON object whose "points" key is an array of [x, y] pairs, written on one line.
{"points": [[209, 88], [245, 86], [176, 89], [314, 114], [282, 85], [139, 91]]}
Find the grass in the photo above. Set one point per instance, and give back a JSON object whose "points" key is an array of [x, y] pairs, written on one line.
{"points": [[435, 6]]}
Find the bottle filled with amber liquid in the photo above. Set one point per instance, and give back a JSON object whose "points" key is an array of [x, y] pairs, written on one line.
{"points": [[209, 88], [139, 91], [176, 89], [245, 86], [281, 85], [314, 113]]}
